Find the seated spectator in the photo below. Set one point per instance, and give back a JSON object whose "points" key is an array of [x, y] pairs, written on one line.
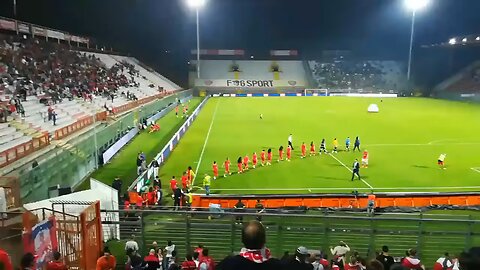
{"points": [[411, 261], [254, 255], [151, 261], [56, 264], [207, 262]]}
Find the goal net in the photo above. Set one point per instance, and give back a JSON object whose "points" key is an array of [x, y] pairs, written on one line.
{"points": [[316, 92]]}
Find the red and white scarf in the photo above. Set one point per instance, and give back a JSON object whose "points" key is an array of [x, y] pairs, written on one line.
{"points": [[256, 255]]}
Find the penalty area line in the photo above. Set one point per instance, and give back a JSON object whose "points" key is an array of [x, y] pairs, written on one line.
{"points": [[343, 164], [205, 143]]}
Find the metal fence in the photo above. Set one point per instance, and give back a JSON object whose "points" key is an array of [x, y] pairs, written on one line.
{"points": [[431, 235], [69, 163]]}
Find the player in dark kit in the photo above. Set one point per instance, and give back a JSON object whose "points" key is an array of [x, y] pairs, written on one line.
{"points": [[356, 169], [323, 147], [356, 144]]}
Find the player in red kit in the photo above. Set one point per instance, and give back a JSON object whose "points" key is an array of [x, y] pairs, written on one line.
{"points": [[312, 149], [280, 153], [185, 180], [254, 160], [269, 156], [239, 164], [226, 165], [304, 150], [289, 153], [215, 170], [173, 184], [246, 159], [176, 111], [263, 157]]}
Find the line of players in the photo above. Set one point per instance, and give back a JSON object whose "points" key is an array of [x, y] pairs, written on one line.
{"points": [[266, 159]]}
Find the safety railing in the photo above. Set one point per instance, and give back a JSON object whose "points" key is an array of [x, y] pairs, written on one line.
{"points": [[19, 151], [220, 231]]}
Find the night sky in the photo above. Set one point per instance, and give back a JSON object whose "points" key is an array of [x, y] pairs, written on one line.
{"points": [[162, 32]]}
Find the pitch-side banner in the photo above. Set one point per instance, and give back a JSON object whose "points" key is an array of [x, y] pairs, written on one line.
{"points": [[249, 83]]}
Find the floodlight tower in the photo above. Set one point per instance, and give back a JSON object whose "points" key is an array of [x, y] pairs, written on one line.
{"points": [[197, 5], [414, 6]]}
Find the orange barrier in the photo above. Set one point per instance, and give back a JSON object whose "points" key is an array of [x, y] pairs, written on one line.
{"points": [[72, 128], [342, 200], [17, 152]]}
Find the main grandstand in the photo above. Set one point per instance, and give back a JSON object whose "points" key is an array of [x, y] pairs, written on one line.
{"points": [[257, 157]]}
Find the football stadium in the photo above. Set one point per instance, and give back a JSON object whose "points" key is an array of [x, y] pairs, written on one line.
{"points": [[217, 136]]}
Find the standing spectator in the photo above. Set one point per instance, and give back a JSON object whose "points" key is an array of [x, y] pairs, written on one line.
{"points": [[254, 255], [157, 181], [151, 261], [49, 112], [131, 244], [159, 196], [160, 253], [339, 253], [195, 258], [206, 184], [117, 185], [411, 261], [199, 250], [5, 261], [177, 198], [207, 263], [139, 163], [173, 262], [260, 209], [54, 117], [300, 260], [134, 261], [155, 167], [56, 264], [189, 264], [239, 208], [375, 265], [169, 249], [385, 258], [443, 263], [353, 264], [107, 261], [28, 262]]}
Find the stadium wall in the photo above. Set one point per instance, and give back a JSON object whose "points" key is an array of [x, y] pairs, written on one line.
{"points": [[68, 164]]}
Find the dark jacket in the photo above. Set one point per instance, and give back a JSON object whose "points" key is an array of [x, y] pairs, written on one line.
{"points": [[240, 263]]}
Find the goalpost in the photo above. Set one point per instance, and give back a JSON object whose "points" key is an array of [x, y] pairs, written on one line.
{"points": [[316, 92]]}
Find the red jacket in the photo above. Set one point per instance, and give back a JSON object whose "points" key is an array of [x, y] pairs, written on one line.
{"points": [[411, 263], [56, 265], [5, 260], [209, 261], [189, 265]]}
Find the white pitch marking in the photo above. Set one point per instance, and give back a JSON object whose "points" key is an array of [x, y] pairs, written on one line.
{"points": [[421, 144], [343, 164], [206, 141], [476, 169]]}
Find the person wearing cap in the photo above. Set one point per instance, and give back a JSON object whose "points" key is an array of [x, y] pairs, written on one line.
{"points": [[255, 255], [299, 260], [339, 253], [151, 261], [107, 261]]}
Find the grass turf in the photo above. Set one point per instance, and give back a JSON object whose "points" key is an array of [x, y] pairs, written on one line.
{"points": [[124, 163], [404, 141]]}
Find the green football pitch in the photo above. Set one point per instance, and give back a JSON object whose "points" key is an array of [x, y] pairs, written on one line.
{"points": [[404, 141]]}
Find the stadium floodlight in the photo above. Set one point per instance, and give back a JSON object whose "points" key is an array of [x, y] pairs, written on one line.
{"points": [[197, 4], [416, 5], [464, 40], [452, 41], [477, 39], [413, 6]]}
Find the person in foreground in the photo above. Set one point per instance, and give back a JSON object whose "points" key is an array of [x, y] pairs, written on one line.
{"points": [[254, 255]]}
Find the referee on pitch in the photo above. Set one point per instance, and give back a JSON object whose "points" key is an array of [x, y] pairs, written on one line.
{"points": [[290, 139], [356, 169]]}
